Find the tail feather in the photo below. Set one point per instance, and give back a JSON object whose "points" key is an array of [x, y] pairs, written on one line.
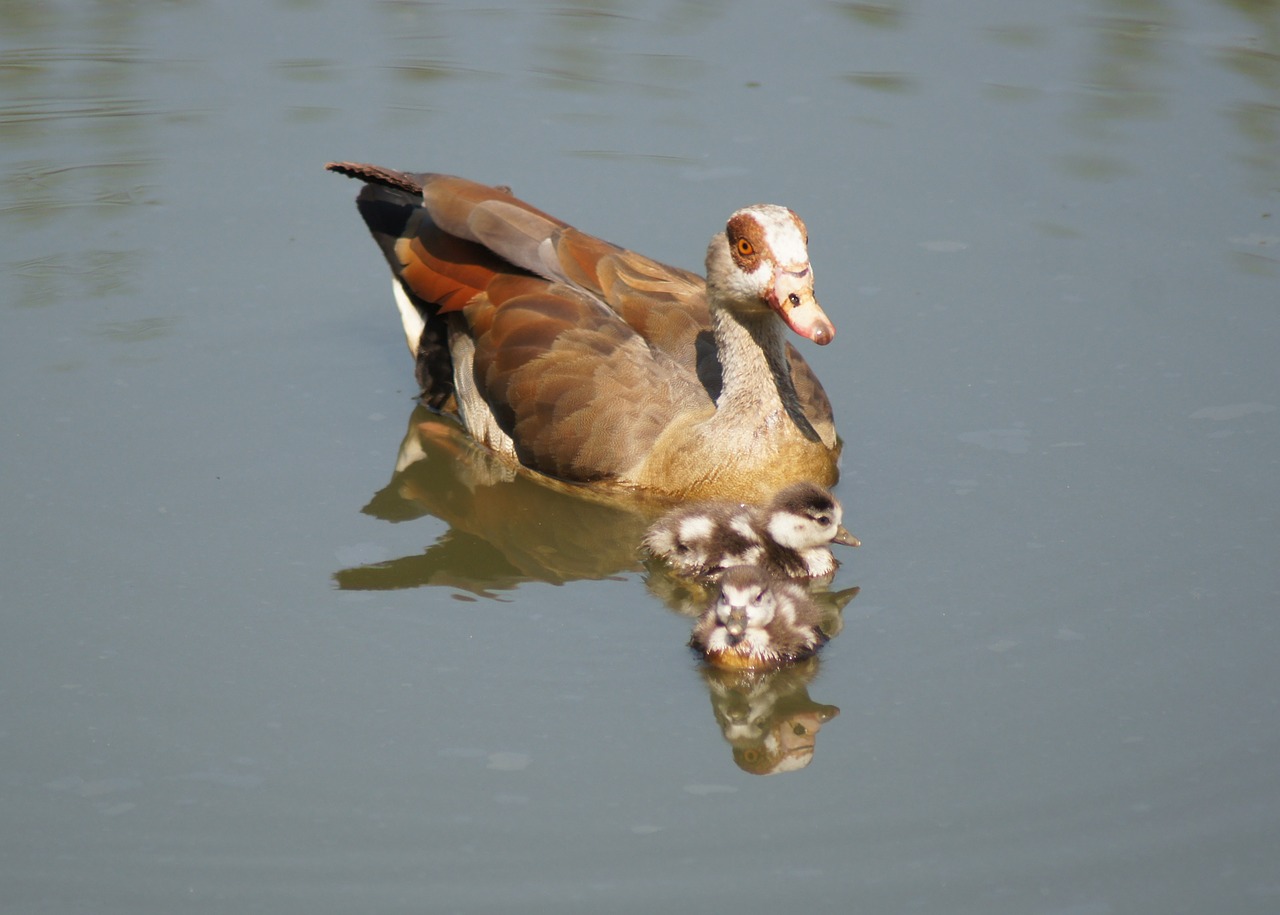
{"points": [[376, 174]]}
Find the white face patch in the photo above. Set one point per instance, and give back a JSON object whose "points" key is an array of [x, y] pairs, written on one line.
{"points": [[788, 530], [758, 602], [784, 234], [760, 242], [799, 532]]}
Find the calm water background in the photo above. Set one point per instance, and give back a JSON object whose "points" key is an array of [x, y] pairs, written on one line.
{"points": [[1050, 238]]}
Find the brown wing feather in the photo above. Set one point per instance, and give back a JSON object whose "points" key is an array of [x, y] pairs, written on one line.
{"points": [[581, 394]]}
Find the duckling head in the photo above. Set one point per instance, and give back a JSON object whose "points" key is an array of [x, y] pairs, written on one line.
{"points": [[746, 606], [804, 516], [737, 631]]}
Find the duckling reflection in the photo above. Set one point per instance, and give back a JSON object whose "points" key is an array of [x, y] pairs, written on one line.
{"points": [[505, 528], [767, 717], [788, 537]]}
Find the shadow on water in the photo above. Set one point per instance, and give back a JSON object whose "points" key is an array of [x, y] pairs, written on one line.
{"points": [[507, 527]]}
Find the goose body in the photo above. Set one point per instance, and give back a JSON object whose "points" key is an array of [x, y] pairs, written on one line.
{"points": [[788, 536], [758, 622], [591, 364]]}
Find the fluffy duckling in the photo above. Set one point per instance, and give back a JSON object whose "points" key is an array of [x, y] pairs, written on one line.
{"points": [[788, 537], [758, 622]]}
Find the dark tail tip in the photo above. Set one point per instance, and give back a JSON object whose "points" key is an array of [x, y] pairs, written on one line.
{"points": [[376, 174]]}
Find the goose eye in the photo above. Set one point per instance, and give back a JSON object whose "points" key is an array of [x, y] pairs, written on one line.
{"points": [[799, 730], [745, 248], [757, 597]]}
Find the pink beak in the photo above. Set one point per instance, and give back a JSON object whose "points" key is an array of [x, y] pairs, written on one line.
{"points": [[792, 298]]}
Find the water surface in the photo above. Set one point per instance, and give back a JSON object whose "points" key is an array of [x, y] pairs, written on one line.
{"points": [[258, 656]]}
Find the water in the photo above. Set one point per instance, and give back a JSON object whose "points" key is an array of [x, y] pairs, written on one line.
{"points": [[255, 658]]}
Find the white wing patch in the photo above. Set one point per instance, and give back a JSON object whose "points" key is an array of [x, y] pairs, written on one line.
{"points": [[696, 527], [410, 317]]}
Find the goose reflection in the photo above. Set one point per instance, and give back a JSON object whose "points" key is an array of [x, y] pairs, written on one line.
{"points": [[505, 527]]}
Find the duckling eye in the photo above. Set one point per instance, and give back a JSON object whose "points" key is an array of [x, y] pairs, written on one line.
{"points": [[799, 730], [745, 248], [757, 597], [824, 520], [793, 299]]}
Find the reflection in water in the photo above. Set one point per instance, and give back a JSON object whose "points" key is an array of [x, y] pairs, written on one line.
{"points": [[1257, 58], [885, 14], [506, 526], [690, 597], [767, 717]]}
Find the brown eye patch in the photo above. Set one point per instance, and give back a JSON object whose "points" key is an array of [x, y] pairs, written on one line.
{"points": [[746, 240]]}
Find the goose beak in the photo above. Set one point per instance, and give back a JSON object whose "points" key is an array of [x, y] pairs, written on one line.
{"points": [[843, 536], [793, 300]]}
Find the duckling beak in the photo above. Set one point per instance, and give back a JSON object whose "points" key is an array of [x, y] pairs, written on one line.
{"points": [[843, 536], [735, 623], [793, 300]]}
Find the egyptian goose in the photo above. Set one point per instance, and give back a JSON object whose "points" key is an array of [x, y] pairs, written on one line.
{"points": [[787, 537], [588, 363], [758, 622]]}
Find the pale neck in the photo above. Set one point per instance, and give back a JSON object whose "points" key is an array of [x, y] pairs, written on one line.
{"points": [[756, 386]]}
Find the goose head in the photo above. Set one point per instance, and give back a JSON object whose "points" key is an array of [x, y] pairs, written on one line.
{"points": [[760, 264], [804, 515]]}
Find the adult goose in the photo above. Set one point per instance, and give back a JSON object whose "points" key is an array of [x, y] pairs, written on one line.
{"points": [[588, 363]]}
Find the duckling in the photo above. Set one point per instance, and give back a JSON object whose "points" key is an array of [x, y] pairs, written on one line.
{"points": [[758, 622], [801, 520], [788, 536], [703, 540]]}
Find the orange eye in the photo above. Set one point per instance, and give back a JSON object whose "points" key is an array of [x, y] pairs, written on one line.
{"points": [[745, 248]]}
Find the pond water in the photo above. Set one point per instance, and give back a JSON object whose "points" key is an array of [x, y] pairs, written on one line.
{"points": [[273, 643]]}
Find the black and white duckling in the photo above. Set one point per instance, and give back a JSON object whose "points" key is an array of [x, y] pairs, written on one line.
{"points": [[788, 536], [758, 622]]}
